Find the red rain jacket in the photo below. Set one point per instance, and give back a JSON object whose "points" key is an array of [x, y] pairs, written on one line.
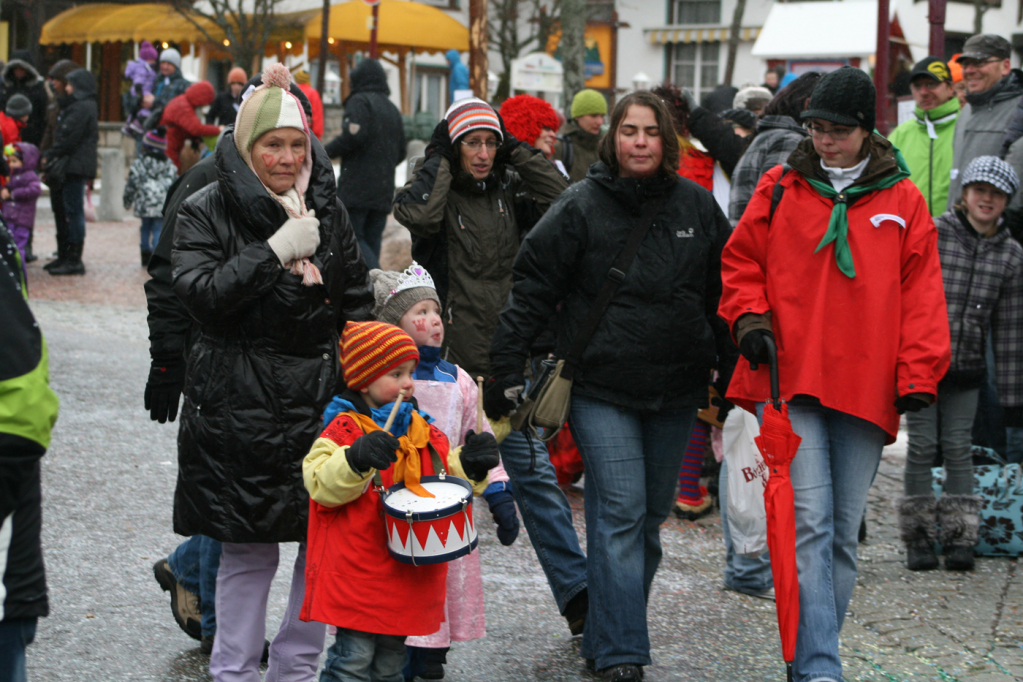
{"points": [[855, 344]]}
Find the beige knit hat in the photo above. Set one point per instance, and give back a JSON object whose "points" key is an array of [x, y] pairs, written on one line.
{"points": [[269, 107], [396, 292]]}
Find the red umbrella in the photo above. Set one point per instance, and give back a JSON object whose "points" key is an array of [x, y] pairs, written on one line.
{"points": [[778, 443]]}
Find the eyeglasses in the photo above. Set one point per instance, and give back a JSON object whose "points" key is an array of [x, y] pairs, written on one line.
{"points": [[474, 145], [978, 62], [836, 134]]}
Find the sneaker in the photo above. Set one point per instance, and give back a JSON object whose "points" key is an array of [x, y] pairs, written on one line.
{"points": [[184, 604], [623, 672], [767, 595]]}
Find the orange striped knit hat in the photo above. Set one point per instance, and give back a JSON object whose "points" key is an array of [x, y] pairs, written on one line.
{"points": [[370, 349], [470, 114]]}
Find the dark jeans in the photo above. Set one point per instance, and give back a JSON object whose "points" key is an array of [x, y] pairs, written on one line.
{"points": [[150, 233], [15, 635], [369, 230], [59, 214], [74, 206]]}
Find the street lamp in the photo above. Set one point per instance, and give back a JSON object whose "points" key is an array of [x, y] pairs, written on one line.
{"points": [[640, 81]]}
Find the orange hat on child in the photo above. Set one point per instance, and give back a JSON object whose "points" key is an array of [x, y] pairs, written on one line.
{"points": [[371, 349], [955, 68]]}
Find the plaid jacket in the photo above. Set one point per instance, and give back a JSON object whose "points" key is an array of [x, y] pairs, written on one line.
{"points": [[777, 137], [984, 290]]}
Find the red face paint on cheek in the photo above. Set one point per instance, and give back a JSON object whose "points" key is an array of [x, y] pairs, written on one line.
{"points": [[268, 160], [300, 159], [420, 325]]}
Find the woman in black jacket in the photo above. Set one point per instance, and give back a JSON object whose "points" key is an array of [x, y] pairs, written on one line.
{"points": [[264, 365], [645, 370], [75, 140]]}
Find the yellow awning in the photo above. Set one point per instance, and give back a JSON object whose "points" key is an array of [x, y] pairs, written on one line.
{"points": [[168, 25], [110, 23], [70, 26], [402, 25]]}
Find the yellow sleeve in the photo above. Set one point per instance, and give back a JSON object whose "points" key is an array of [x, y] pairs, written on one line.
{"points": [[455, 469], [501, 428], [329, 477]]}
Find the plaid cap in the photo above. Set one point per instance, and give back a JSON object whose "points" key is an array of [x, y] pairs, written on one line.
{"points": [[994, 171], [984, 46], [370, 349]]}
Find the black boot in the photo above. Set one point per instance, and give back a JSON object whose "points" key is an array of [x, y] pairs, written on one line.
{"points": [[29, 256], [917, 531], [73, 264], [959, 519], [146, 255], [576, 610], [60, 258], [435, 660]]}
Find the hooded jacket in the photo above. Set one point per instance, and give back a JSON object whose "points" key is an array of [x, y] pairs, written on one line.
{"points": [[466, 234], [32, 86], [854, 344], [58, 71], [984, 293], [183, 123], [77, 133], [656, 345], [776, 138], [459, 78], [371, 143], [28, 410], [149, 179], [265, 363], [576, 149], [718, 137], [926, 142], [24, 187], [980, 129]]}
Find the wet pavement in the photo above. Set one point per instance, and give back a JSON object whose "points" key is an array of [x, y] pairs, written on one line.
{"points": [[108, 485]]}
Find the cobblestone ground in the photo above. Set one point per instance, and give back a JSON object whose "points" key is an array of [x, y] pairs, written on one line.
{"points": [[108, 486]]}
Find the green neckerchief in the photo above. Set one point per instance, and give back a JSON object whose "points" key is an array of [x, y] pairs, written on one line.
{"points": [[838, 226]]}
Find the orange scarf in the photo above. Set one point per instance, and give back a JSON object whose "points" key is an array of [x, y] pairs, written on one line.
{"points": [[409, 467]]}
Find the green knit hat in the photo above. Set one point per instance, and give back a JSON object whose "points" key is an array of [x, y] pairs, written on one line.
{"points": [[588, 102]]}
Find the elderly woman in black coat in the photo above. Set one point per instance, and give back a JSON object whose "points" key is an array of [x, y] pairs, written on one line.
{"points": [[266, 262]]}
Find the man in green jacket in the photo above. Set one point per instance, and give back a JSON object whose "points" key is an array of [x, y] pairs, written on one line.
{"points": [[926, 139], [576, 147]]}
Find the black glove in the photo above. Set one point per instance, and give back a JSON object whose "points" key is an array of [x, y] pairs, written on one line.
{"points": [[753, 347], [374, 450], [502, 508], [440, 141], [724, 407], [163, 389], [495, 403], [912, 402], [479, 455]]}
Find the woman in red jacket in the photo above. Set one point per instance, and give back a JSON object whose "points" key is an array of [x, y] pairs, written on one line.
{"points": [[843, 274]]}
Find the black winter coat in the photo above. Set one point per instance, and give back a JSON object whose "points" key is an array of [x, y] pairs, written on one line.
{"points": [[661, 336], [371, 143], [31, 85], [266, 360], [77, 134], [718, 137], [223, 111]]}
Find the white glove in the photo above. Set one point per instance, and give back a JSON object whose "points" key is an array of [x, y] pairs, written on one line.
{"points": [[296, 238]]}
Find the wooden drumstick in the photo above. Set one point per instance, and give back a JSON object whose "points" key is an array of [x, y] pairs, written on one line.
{"points": [[394, 410], [479, 405]]}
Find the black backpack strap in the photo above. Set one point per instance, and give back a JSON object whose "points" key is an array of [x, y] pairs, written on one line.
{"points": [[615, 276], [779, 190], [567, 152]]}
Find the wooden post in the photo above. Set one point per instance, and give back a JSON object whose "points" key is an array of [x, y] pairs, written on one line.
{"points": [[321, 74], [881, 67], [936, 17], [403, 81], [373, 32], [343, 70], [204, 60], [478, 63]]}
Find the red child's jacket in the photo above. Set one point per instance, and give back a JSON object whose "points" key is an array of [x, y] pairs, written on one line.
{"points": [[351, 580]]}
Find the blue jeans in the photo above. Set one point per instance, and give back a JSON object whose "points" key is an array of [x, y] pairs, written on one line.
{"points": [[632, 460], [364, 657], [831, 475], [150, 233], [74, 209], [749, 574], [546, 515], [15, 635], [369, 230], [194, 564]]}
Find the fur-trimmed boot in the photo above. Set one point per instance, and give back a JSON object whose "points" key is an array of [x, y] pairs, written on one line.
{"points": [[917, 531], [959, 519]]}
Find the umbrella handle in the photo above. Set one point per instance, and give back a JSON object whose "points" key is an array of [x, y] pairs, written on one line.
{"points": [[772, 357]]}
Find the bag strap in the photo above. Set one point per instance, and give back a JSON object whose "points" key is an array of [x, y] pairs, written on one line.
{"points": [[615, 277], [778, 191]]}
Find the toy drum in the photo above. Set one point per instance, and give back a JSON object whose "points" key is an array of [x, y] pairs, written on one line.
{"points": [[430, 530]]}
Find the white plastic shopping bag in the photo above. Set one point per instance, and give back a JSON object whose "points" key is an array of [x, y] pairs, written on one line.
{"points": [[747, 477]]}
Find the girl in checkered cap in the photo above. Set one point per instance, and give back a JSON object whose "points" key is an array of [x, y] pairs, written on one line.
{"points": [[982, 270]]}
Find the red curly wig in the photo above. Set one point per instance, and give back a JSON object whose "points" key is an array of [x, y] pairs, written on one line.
{"points": [[526, 116]]}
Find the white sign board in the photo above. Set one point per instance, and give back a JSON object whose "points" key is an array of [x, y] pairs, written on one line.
{"points": [[537, 71]]}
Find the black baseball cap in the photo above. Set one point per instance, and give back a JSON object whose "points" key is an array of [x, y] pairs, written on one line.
{"points": [[932, 67], [985, 46]]}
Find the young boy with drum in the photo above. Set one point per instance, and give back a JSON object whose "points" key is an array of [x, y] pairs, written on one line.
{"points": [[352, 581], [448, 394]]}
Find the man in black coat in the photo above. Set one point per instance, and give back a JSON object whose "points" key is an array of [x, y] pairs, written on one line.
{"points": [[371, 145], [20, 77]]}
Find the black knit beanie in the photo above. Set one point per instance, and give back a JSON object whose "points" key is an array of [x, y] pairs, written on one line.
{"points": [[845, 96]]}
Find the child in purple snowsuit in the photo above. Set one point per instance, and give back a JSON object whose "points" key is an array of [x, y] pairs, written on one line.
{"points": [[142, 72], [20, 195]]}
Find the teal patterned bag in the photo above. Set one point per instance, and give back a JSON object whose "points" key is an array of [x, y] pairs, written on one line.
{"points": [[1001, 519]]}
